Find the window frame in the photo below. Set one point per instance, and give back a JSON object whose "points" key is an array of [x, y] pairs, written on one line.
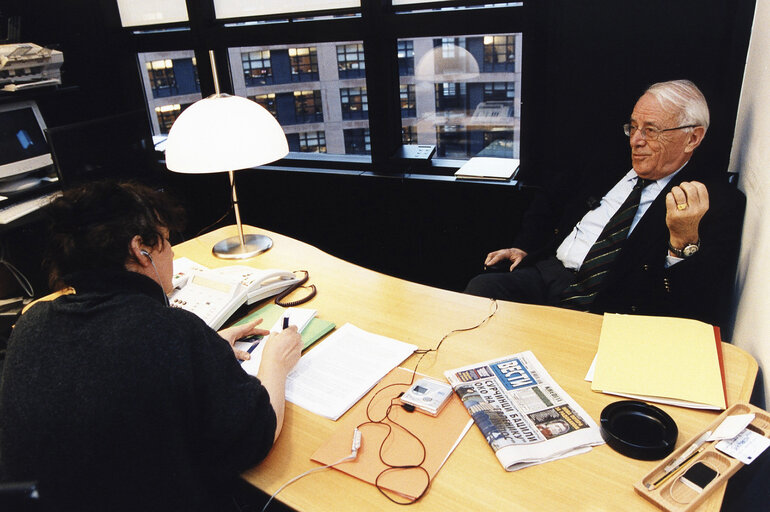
{"points": [[377, 23]]}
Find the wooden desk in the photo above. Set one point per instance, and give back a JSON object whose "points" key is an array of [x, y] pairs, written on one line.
{"points": [[564, 341]]}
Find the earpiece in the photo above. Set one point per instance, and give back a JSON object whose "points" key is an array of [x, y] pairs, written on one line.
{"points": [[145, 253]]}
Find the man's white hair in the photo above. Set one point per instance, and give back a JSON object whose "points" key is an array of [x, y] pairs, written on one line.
{"points": [[683, 97]]}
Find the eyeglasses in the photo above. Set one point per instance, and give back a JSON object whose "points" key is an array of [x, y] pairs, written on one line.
{"points": [[650, 132]]}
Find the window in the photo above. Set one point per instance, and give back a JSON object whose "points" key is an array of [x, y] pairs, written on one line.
{"points": [[405, 57], [451, 98], [350, 60], [167, 114], [257, 68], [408, 105], [162, 78], [307, 142], [267, 101], [499, 53], [357, 141], [304, 64], [499, 91], [460, 106], [408, 135], [354, 103], [307, 106]]}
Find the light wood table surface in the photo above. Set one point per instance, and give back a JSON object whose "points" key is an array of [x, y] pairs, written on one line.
{"points": [[564, 341]]}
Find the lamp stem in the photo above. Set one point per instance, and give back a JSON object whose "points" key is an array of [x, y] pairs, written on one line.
{"points": [[237, 210], [214, 72]]}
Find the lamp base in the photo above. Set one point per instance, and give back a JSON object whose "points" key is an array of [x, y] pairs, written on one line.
{"points": [[231, 248]]}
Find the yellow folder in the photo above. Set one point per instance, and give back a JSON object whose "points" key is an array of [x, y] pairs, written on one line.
{"points": [[674, 360]]}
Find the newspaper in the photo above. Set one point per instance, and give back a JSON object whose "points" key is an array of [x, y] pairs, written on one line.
{"points": [[525, 416]]}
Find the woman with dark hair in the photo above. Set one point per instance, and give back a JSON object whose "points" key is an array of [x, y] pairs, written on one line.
{"points": [[110, 399]]}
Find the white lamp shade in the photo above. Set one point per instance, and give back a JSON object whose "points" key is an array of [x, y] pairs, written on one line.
{"points": [[441, 64], [224, 133]]}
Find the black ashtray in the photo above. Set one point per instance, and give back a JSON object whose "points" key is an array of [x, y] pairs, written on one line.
{"points": [[638, 430]]}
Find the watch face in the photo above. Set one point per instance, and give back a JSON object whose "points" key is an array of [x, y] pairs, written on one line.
{"points": [[689, 250]]}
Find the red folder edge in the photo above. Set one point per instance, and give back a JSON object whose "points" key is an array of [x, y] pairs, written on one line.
{"points": [[718, 338]]}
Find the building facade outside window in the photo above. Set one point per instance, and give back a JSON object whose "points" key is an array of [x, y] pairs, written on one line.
{"points": [[163, 99], [320, 88]]}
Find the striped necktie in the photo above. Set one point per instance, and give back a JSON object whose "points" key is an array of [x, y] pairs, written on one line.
{"points": [[598, 261]]}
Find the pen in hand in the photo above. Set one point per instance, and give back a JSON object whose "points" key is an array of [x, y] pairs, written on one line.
{"points": [[286, 322]]}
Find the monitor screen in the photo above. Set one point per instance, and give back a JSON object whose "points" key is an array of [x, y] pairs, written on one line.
{"points": [[23, 147], [115, 147]]}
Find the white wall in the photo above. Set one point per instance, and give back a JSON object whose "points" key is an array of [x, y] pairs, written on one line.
{"points": [[751, 158]]}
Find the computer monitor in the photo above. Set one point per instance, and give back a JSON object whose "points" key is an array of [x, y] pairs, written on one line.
{"points": [[23, 146], [113, 147]]}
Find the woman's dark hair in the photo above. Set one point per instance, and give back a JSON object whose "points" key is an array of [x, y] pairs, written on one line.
{"points": [[92, 226]]}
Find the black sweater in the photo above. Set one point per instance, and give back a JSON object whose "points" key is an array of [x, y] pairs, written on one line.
{"points": [[113, 401]]}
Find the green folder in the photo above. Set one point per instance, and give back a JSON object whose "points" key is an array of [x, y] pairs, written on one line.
{"points": [[315, 330]]}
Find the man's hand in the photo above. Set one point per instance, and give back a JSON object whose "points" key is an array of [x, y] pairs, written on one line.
{"points": [[236, 332], [685, 207], [514, 255]]}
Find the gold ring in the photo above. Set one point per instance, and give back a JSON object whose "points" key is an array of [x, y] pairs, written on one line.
{"points": [[681, 206]]}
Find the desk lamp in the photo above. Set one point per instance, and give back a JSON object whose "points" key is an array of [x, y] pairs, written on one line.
{"points": [[224, 133]]}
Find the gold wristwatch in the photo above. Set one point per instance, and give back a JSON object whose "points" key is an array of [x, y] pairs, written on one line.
{"points": [[685, 252]]}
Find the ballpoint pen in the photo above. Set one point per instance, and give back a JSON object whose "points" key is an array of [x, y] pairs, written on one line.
{"points": [[679, 462]]}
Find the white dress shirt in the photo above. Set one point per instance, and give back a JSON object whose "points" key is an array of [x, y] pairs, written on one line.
{"points": [[575, 247]]}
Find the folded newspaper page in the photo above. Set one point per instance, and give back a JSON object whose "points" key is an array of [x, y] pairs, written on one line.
{"points": [[525, 416]]}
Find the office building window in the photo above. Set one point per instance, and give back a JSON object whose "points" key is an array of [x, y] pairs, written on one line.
{"points": [[354, 103], [304, 64], [405, 57], [307, 142], [350, 60], [308, 107], [167, 114], [408, 104], [452, 98], [267, 101], [357, 141], [499, 91], [257, 68], [499, 53], [408, 135], [162, 78]]}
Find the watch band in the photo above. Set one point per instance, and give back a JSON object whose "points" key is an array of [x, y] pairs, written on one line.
{"points": [[686, 251]]}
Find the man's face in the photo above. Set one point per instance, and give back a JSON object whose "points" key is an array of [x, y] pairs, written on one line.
{"points": [[655, 159]]}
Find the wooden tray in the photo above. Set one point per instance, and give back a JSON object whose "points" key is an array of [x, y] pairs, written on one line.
{"points": [[673, 495]]}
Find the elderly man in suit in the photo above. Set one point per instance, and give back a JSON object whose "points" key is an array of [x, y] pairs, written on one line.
{"points": [[663, 240]]}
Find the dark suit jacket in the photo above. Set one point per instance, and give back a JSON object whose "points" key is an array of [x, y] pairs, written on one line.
{"points": [[699, 287]]}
